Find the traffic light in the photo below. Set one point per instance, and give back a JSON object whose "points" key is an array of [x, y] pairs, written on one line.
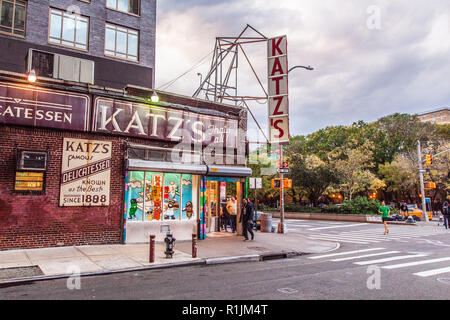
{"points": [[430, 185], [287, 183], [428, 160]]}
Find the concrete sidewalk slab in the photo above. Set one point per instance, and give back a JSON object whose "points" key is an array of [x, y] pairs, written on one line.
{"points": [[216, 248], [50, 253]]}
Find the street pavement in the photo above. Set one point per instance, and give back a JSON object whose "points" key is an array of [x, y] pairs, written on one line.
{"points": [[219, 247], [411, 262]]}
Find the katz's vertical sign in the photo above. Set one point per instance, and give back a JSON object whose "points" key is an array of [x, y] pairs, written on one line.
{"points": [[86, 171], [278, 90]]}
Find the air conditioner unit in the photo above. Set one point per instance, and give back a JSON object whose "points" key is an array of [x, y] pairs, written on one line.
{"points": [[32, 160], [58, 66]]}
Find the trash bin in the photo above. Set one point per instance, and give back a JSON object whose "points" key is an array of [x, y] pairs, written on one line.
{"points": [[266, 222]]}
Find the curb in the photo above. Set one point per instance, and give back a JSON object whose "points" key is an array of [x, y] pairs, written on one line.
{"points": [[202, 261]]}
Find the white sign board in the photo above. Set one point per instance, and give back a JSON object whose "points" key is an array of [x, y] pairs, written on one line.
{"points": [[278, 90], [258, 183], [85, 173], [255, 183]]}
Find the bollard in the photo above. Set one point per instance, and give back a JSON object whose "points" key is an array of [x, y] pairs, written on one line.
{"points": [[194, 245], [152, 249]]}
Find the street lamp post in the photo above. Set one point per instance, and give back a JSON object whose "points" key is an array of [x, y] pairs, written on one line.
{"points": [[282, 225]]}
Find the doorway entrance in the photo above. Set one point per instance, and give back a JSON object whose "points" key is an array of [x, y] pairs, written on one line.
{"points": [[216, 191]]}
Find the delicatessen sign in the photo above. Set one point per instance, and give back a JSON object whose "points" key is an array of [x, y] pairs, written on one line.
{"points": [[86, 171], [38, 107], [154, 122]]}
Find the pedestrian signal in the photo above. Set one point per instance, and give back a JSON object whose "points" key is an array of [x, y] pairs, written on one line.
{"points": [[287, 183], [276, 183]]}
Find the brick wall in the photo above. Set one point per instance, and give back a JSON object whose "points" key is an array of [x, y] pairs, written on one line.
{"points": [[32, 221]]}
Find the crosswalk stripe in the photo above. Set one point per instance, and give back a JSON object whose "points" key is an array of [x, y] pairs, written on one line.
{"points": [[344, 253], [416, 263], [343, 226], [362, 263], [370, 237], [341, 240], [365, 256], [432, 272], [337, 237]]}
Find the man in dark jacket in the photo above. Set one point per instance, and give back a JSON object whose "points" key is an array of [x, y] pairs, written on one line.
{"points": [[248, 212], [446, 213]]}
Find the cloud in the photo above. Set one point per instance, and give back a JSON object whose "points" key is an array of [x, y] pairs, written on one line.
{"points": [[360, 73]]}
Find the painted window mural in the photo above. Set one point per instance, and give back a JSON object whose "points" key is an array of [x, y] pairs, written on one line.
{"points": [[153, 196], [186, 204]]}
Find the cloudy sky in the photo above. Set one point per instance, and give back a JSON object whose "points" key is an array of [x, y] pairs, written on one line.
{"points": [[370, 58]]}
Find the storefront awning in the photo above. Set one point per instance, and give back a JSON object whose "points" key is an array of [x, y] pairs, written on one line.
{"points": [[198, 169], [157, 166], [228, 171]]}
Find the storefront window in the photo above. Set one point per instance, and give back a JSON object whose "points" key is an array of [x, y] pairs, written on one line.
{"points": [[134, 200], [172, 196], [151, 196], [187, 206]]}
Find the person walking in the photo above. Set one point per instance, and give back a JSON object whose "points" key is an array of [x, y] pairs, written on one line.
{"points": [[384, 210], [231, 207], [225, 217], [247, 219], [446, 214]]}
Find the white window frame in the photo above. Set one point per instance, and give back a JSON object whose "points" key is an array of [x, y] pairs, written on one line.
{"points": [[115, 53], [76, 20]]}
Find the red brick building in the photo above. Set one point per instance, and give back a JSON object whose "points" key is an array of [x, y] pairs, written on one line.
{"points": [[72, 154]]}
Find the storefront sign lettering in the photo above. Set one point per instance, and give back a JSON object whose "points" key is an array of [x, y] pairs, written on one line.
{"points": [[154, 122], [278, 90], [38, 107]]}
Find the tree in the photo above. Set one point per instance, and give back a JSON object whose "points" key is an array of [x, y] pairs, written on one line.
{"points": [[400, 176], [352, 166], [396, 134], [311, 174]]}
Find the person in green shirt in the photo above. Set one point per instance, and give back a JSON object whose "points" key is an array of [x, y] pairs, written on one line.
{"points": [[384, 210]]}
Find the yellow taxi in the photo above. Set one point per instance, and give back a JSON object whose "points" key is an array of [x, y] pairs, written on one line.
{"points": [[413, 210]]}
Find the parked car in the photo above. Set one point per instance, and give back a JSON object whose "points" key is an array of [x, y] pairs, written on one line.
{"points": [[413, 210]]}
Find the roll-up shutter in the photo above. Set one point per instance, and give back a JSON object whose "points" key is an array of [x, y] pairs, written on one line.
{"points": [[144, 165], [229, 171]]}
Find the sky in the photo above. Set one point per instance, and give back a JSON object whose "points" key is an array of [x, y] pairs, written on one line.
{"points": [[370, 58]]}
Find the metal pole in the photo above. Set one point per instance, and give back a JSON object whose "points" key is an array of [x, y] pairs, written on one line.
{"points": [[194, 245], [281, 225], [152, 249], [422, 188]]}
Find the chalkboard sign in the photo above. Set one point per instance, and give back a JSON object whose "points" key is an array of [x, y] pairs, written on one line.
{"points": [[31, 160]]}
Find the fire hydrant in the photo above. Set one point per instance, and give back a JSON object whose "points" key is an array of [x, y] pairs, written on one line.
{"points": [[170, 243]]}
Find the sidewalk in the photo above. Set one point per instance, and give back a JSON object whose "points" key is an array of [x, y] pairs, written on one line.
{"points": [[40, 264]]}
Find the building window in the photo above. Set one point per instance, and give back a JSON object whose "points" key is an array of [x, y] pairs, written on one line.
{"points": [[157, 196], [127, 6], [67, 29], [13, 14], [122, 43]]}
